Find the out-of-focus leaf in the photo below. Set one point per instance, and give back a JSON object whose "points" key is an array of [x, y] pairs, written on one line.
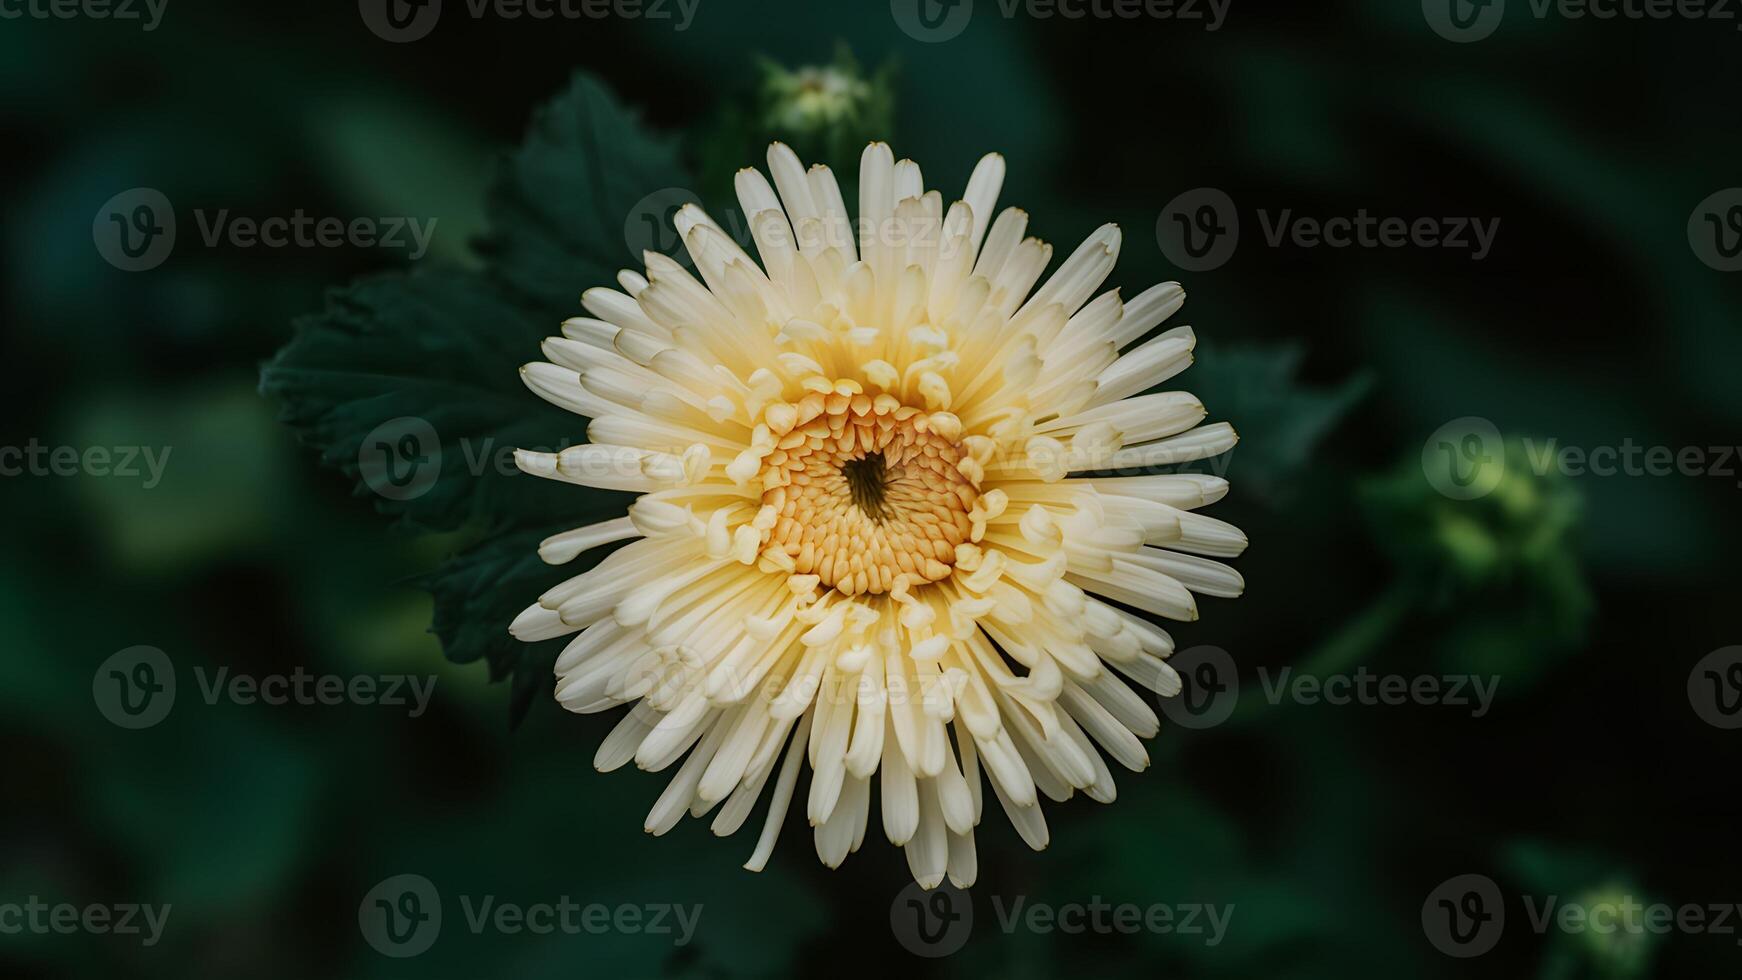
{"points": [[1512, 555], [396, 161], [1280, 421], [533, 857], [1200, 859], [1540, 866], [189, 479], [224, 817]]}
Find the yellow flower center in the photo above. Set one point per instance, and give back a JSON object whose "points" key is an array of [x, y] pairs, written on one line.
{"points": [[866, 490]]}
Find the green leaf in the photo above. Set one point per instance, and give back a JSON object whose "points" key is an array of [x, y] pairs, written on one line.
{"points": [[480, 591], [442, 349], [1280, 421], [433, 357], [563, 203]]}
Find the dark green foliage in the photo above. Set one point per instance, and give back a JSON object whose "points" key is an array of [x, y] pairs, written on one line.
{"points": [[444, 346]]}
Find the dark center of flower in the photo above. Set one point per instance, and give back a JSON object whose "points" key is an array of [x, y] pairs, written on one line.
{"points": [[867, 478]]}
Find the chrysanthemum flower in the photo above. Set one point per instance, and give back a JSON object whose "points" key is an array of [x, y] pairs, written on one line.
{"points": [[863, 540]]}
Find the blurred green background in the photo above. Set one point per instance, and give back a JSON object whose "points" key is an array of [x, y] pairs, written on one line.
{"points": [[1591, 322]]}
